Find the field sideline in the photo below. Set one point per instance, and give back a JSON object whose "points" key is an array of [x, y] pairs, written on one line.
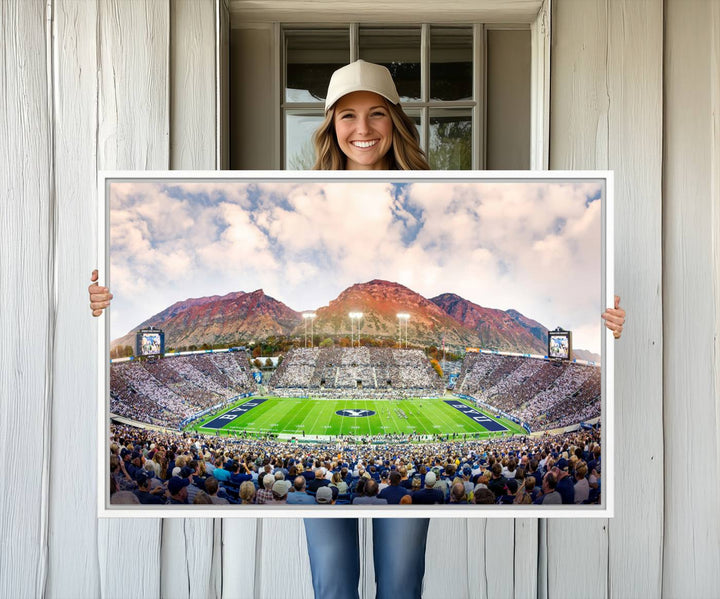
{"points": [[318, 417]]}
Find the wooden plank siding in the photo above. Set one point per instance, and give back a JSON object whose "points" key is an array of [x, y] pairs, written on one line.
{"points": [[76, 572], [189, 565], [635, 90], [691, 202], [115, 84], [133, 133], [579, 103], [27, 318]]}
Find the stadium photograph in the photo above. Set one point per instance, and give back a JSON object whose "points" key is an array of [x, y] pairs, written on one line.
{"points": [[410, 342]]}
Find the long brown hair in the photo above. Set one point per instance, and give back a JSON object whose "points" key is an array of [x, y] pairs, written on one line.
{"points": [[404, 155]]}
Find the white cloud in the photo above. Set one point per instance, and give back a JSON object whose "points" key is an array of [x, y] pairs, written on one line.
{"points": [[532, 246]]}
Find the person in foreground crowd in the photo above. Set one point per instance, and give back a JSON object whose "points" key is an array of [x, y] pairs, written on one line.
{"points": [[365, 128]]}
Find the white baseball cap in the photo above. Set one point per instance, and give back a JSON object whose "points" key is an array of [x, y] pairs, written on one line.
{"points": [[361, 76]]}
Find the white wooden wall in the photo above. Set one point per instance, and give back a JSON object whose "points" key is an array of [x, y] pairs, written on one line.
{"points": [[117, 84]]}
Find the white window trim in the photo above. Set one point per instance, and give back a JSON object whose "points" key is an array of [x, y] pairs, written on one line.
{"points": [[540, 89], [495, 11]]}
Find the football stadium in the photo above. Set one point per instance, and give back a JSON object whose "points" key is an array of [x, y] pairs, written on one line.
{"points": [[367, 422]]}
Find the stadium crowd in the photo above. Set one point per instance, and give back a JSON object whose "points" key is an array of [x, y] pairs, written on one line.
{"points": [[378, 372], [150, 467], [167, 390], [543, 393]]}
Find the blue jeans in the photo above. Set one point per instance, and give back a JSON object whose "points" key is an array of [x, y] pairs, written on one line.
{"points": [[398, 551]]}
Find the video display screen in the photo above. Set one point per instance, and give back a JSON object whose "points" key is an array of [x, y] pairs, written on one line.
{"points": [[559, 345], [150, 344]]}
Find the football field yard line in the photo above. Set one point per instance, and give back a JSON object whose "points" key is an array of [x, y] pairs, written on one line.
{"points": [[424, 418], [318, 417], [297, 416], [392, 418], [448, 421], [291, 415]]}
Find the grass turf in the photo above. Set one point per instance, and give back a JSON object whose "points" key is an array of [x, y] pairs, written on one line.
{"points": [[318, 417]]}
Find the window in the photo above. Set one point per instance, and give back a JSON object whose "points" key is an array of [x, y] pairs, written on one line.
{"points": [[467, 87], [434, 68]]}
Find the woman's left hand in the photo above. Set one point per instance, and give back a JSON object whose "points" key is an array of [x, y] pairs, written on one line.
{"points": [[615, 318]]}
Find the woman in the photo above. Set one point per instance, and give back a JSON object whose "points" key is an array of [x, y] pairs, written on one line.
{"points": [[365, 129], [338, 482]]}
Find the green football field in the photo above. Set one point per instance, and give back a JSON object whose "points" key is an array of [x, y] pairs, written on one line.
{"points": [[312, 417]]}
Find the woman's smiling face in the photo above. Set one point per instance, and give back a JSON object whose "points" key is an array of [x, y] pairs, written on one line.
{"points": [[364, 130]]}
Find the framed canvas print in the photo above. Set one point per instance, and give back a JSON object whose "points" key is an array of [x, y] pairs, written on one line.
{"points": [[327, 344]]}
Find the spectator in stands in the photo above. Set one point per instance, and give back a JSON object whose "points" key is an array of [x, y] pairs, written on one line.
{"points": [[429, 495], [509, 470], [416, 484], [240, 473], [143, 491], [119, 475], [265, 493], [134, 463], [498, 481], [280, 477], [458, 494], [309, 472], [324, 496], [150, 469], [467, 483], [523, 496], [299, 496], [280, 493], [508, 497], [594, 463], [484, 496], [124, 498], [177, 489], [564, 484], [202, 498], [441, 483], [549, 495], [339, 483], [193, 488], [394, 492], [211, 488], [317, 482], [223, 474], [247, 492], [582, 486]]}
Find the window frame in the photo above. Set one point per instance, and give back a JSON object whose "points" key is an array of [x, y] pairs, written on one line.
{"points": [[475, 106], [538, 20]]}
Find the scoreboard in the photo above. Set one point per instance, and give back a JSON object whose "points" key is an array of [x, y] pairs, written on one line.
{"points": [[150, 342], [560, 344]]}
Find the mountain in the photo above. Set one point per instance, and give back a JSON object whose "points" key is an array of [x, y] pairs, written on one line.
{"points": [[583, 354], [497, 329], [380, 302], [244, 316], [220, 319]]}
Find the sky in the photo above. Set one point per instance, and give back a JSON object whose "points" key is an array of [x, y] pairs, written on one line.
{"points": [[534, 246]]}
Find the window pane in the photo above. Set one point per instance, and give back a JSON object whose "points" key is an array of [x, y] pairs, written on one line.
{"points": [[399, 51], [311, 58], [508, 100], [450, 139], [415, 117], [451, 55], [299, 149]]}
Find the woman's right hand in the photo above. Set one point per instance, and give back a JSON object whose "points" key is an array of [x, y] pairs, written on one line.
{"points": [[99, 296]]}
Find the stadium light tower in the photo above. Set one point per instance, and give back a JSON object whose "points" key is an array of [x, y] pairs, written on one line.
{"points": [[403, 317], [311, 317], [353, 317]]}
